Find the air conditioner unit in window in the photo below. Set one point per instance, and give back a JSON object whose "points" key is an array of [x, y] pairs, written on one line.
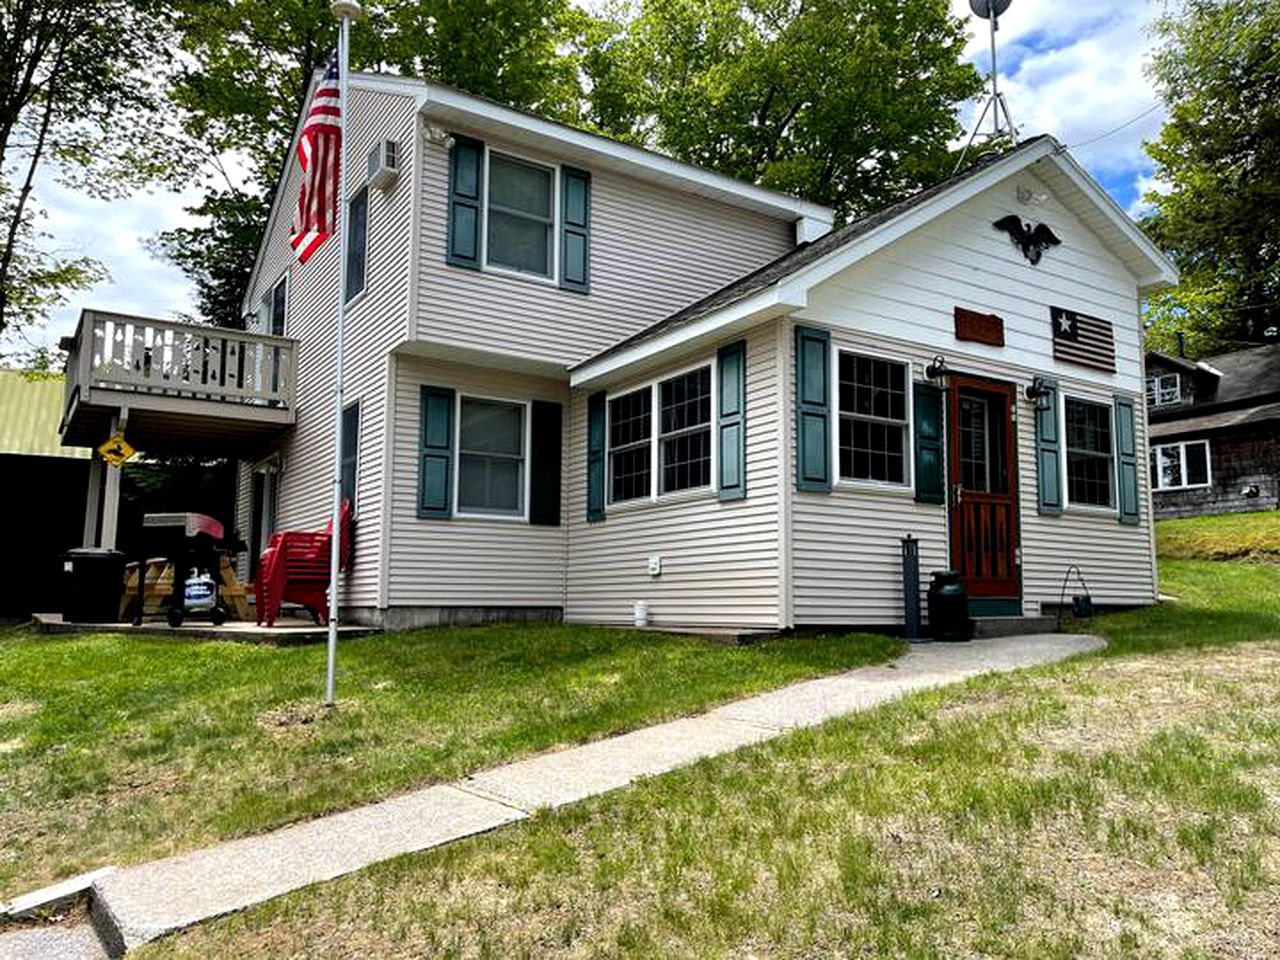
{"points": [[384, 164]]}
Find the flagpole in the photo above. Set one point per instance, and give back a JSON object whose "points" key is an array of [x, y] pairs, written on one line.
{"points": [[346, 11]]}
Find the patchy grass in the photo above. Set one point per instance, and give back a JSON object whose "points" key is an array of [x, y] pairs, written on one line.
{"points": [[1233, 536], [116, 749], [1126, 804]]}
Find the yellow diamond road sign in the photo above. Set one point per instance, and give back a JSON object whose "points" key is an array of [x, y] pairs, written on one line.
{"points": [[116, 450]]}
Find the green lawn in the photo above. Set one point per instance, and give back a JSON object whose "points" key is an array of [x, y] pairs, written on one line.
{"points": [[1124, 804], [1236, 536], [117, 749]]}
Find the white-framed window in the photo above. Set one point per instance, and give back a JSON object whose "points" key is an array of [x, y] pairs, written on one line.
{"points": [[521, 214], [666, 423], [492, 478], [1090, 452], [873, 440], [275, 305], [1180, 466], [1163, 389]]}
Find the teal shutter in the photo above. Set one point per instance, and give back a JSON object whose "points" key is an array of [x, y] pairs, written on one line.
{"points": [[544, 463], [466, 179], [731, 427], [1048, 455], [575, 229], [813, 409], [930, 469], [435, 471], [1127, 461], [595, 457]]}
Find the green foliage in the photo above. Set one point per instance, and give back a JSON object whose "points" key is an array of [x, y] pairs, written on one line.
{"points": [[1218, 69], [846, 103]]}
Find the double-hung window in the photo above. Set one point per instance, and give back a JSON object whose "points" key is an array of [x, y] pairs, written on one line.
{"points": [[873, 434], [357, 247], [1090, 453], [1179, 466], [491, 457], [1163, 389], [669, 420], [521, 215]]}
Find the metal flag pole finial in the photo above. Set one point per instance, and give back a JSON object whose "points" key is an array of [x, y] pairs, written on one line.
{"points": [[346, 11]]}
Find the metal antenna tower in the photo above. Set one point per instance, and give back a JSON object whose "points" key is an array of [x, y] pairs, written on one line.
{"points": [[994, 104]]}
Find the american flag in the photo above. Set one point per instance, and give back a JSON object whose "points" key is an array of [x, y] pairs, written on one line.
{"points": [[1082, 339], [319, 153]]}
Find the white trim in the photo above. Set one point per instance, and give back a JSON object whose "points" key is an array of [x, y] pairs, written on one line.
{"points": [[785, 417], [655, 438], [526, 407], [1181, 445], [550, 279], [390, 422], [1113, 509], [908, 464]]}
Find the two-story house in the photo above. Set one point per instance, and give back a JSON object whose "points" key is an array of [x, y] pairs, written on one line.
{"points": [[582, 375], [1215, 432]]}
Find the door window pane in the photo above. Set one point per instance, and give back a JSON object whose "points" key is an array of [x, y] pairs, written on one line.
{"points": [[975, 459], [491, 457]]}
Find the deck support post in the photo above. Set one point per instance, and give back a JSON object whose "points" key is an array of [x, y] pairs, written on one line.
{"points": [[92, 502], [111, 495]]}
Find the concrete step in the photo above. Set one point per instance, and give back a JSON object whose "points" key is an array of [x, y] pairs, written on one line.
{"points": [[984, 627]]}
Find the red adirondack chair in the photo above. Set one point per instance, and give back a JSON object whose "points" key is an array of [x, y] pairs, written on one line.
{"points": [[295, 568]]}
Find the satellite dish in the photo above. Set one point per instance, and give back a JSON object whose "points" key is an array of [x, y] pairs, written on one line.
{"points": [[986, 9]]}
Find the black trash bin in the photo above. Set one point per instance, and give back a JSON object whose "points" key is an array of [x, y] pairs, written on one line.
{"points": [[949, 607], [94, 585]]}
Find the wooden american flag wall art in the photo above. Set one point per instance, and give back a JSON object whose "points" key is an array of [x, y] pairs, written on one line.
{"points": [[1082, 339]]}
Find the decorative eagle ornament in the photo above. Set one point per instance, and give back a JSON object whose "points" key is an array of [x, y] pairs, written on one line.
{"points": [[1033, 241]]}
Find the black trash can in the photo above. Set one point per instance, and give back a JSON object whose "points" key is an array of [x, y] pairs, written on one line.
{"points": [[949, 607], [94, 584]]}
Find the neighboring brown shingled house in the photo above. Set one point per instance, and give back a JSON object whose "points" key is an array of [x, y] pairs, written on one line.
{"points": [[1215, 432]]}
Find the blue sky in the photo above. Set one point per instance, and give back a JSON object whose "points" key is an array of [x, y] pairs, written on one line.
{"points": [[1075, 70]]}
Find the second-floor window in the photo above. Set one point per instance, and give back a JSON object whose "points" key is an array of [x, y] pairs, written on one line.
{"points": [[279, 301], [1163, 388], [521, 218]]}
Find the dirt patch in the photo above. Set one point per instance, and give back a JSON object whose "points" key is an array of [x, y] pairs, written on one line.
{"points": [[299, 718], [17, 709]]}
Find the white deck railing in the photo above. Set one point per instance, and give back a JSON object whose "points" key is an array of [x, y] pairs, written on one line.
{"points": [[171, 359]]}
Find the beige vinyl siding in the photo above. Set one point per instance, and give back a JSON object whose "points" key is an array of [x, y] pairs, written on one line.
{"points": [[466, 562], [376, 322], [846, 545], [652, 252], [719, 559]]}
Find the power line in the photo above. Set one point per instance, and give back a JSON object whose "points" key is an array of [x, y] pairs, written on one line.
{"points": [[1112, 132]]}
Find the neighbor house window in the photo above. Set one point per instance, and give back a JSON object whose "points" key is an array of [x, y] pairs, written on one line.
{"points": [[491, 457], [630, 446], [350, 450], [873, 419], [685, 436], [1090, 458], [358, 220], [1163, 388], [521, 215], [1178, 466]]}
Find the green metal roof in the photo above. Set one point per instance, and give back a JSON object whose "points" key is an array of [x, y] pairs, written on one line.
{"points": [[30, 410]]}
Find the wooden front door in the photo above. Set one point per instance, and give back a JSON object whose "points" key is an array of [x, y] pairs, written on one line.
{"points": [[984, 487]]}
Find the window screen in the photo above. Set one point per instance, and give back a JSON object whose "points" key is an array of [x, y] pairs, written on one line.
{"points": [[520, 215], [491, 457]]}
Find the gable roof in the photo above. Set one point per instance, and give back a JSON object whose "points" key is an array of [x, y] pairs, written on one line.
{"points": [[782, 285], [1244, 374]]}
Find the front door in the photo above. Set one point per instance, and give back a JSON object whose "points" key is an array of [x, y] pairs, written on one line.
{"points": [[984, 491]]}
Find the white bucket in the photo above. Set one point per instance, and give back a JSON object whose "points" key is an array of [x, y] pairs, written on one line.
{"points": [[642, 613]]}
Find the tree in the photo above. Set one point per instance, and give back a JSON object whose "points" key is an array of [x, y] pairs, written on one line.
{"points": [[1217, 67], [850, 103], [75, 79]]}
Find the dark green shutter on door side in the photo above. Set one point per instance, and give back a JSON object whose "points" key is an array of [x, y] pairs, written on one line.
{"points": [[546, 418], [435, 469], [1127, 461], [1048, 453], [731, 426], [595, 457], [930, 464], [466, 180], [575, 229], [813, 409]]}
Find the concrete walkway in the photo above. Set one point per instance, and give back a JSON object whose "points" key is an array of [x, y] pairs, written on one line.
{"points": [[137, 904]]}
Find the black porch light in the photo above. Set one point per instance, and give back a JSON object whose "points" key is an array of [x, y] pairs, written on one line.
{"points": [[1038, 393], [937, 368]]}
